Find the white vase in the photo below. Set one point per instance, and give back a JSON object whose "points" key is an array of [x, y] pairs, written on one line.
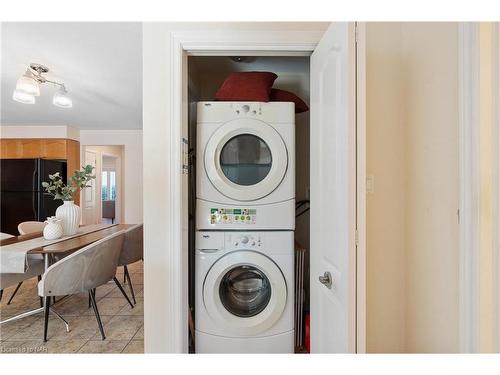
{"points": [[70, 215], [53, 230]]}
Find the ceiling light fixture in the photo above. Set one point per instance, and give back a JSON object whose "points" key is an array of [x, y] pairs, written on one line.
{"points": [[28, 86]]}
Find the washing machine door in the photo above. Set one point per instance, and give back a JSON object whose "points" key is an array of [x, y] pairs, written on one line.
{"points": [[246, 159], [245, 293]]}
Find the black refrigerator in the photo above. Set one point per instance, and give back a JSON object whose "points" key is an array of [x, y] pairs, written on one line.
{"points": [[22, 196]]}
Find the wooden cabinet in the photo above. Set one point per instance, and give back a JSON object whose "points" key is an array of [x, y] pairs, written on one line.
{"points": [[56, 149]]}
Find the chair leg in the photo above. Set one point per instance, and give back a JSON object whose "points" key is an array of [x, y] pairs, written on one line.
{"points": [[90, 303], [15, 291], [39, 277], [97, 316], [1, 294], [125, 271], [46, 323], [131, 287], [123, 291]]}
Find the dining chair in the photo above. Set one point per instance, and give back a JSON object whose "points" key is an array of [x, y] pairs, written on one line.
{"points": [[133, 251], [35, 268], [82, 271], [27, 227]]}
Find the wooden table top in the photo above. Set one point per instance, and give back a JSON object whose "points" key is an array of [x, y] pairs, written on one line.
{"points": [[71, 244]]}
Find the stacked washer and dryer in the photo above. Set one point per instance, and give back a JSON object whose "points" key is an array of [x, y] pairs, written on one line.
{"points": [[245, 222]]}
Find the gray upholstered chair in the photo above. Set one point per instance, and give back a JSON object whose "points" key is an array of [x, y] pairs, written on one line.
{"points": [[10, 279], [133, 251], [82, 271], [35, 268], [27, 227]]}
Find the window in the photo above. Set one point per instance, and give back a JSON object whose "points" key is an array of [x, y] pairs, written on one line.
{"points": [[108, 186]]}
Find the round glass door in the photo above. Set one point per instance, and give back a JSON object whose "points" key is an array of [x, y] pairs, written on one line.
{"points": [[245, 159], [245, 291]]}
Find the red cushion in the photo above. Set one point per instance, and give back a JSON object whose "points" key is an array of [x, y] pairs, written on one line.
{"points": [[246, 86], [278, 95]]}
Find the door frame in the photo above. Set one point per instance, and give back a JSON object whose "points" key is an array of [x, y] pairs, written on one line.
{"points": [[469, 175], [496, 173], [220, 43]]}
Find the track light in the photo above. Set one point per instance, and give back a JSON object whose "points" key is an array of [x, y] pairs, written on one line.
{"points": [[28, 86]]}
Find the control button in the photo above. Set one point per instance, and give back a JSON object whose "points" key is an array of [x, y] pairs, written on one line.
{"points": [[244, 239], [242, 217], [253, 243], [236, 244], [248, 217], [245, 108], [254, 112]]}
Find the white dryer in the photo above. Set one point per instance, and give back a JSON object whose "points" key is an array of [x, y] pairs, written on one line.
{"points": [[245, 165], [244, 292]]}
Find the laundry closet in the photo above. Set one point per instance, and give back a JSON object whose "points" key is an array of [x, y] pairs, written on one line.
{"points": [[206, 74]]}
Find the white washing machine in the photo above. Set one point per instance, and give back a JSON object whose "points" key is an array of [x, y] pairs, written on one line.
{"points": [[245, 166], [244, 292]]}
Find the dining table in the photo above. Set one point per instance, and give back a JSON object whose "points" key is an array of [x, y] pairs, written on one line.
{"points": [[33, 244]]}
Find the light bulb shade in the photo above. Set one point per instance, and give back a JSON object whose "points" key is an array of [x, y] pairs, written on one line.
{"points": [[23, 97], [61, 99], [28, 85]]}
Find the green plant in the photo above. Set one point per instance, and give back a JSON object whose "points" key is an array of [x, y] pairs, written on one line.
{"points": [[59, 190]]}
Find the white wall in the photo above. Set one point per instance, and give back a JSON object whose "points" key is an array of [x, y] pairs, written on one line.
{"points": [[158, 130], [412, 223], [132, 166]]}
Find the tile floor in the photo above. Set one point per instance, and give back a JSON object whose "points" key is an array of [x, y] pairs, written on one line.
{"points": [[123, 326]]}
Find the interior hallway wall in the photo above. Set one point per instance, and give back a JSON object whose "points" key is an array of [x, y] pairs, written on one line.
{"points": [[412, 223]]}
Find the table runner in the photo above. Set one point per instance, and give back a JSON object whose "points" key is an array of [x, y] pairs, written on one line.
{"points": [[13, 257]]}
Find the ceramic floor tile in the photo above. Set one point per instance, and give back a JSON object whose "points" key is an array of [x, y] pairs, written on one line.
{"points": [[122, 327], [8, 330], [137, 278], [107, 306], [134, 347], [140, 334], [137, 310], [81, 327], [117, 294], [74, 306], [40, 347], [104, 346]]}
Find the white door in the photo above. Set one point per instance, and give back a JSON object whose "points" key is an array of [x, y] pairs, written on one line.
{"points": [[333, 191], [88, 197]]}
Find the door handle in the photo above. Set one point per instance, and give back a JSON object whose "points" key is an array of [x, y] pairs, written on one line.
{"points": [[326, 280]]}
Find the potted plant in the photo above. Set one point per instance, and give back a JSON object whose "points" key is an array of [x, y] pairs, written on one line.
{"points": [[69, 213]]}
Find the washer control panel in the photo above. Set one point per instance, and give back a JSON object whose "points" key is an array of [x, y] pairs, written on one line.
{"points": [[243, 216], [243, 240]]}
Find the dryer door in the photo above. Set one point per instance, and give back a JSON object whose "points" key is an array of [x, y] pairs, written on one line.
{"points": [[246, 159], [245, 293]]}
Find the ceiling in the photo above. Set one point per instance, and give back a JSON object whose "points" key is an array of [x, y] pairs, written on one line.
{"points": [[99, 62]]}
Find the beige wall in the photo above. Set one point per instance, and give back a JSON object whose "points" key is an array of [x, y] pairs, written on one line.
{"points": [[386, 209], [412, 225]]}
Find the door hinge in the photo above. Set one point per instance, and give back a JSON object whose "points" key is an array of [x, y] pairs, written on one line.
{"points": [[185, 155]]}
